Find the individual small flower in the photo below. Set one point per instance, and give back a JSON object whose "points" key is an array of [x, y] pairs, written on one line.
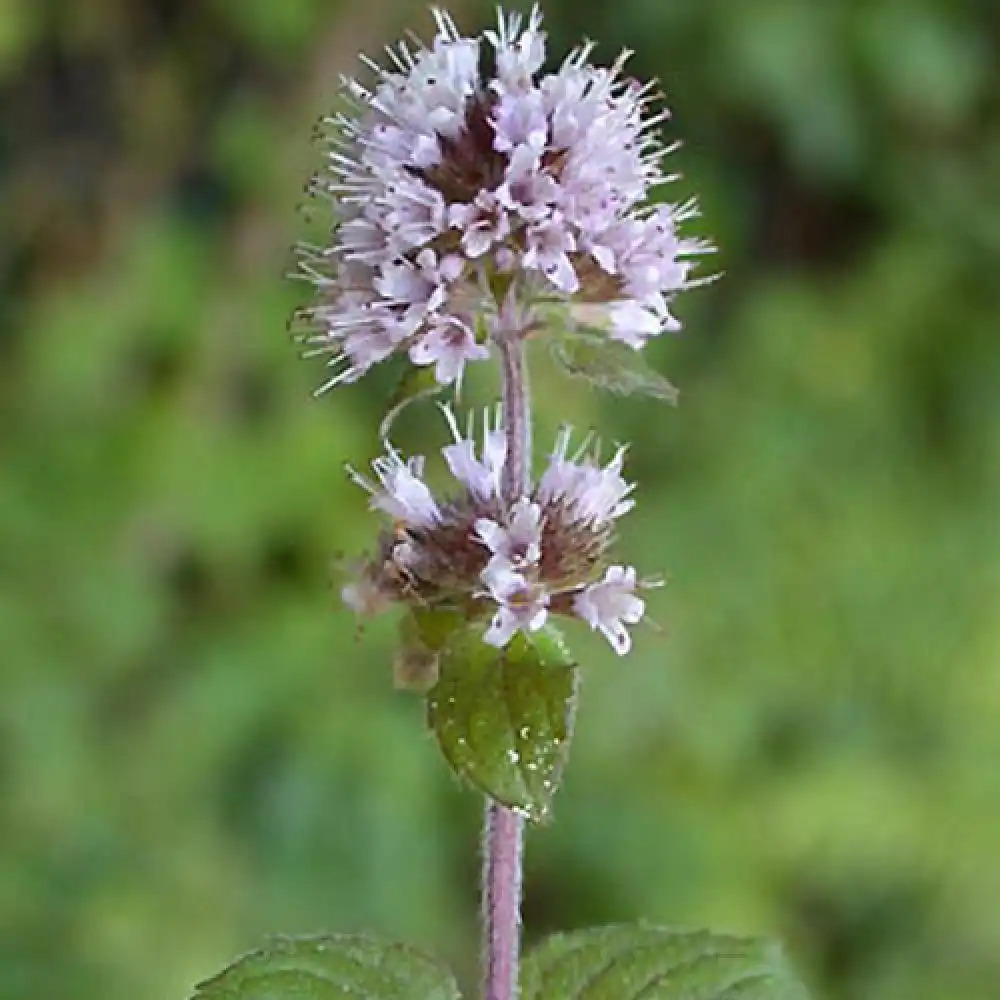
{"points": [[547, 552], [520, 606], [404, 495], [462, 174], [611, 604], [480, 478], [517, 541], [595, 495], [448, 347]]}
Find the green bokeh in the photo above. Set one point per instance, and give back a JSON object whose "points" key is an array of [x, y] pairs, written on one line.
{"points": [[195, 748]]}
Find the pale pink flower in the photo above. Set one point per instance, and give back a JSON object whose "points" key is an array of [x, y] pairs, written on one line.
{"points": [[516, 541], [442, 175], [403, 495], [592, 494], [480, 478], [520, 606], [611, 604], [448, 346], [521, 561]]}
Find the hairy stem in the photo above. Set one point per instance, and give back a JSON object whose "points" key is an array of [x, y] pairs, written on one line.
{"points": [[503, 837], [516, 418], [503, 832]]}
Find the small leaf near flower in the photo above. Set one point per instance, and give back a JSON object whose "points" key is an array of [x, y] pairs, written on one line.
{"points": [[331, 967], [422, 634], [657, 963], [611, 365], [414, 667], [415, 384], [504, 717]]}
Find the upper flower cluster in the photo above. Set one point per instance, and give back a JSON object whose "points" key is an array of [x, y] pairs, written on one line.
{"points": [[547, 552], [454, 186]]}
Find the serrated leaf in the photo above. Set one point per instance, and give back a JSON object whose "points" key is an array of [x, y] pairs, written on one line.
{"points": [[416, 382], [629, 962], [611, 365], [331, 967], [504, 717]]}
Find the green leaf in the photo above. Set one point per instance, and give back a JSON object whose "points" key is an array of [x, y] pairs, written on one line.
{"points": [[434, 626], [422, 634], [331, 967], [417, 382], [610, 364], [629, 962], [504, 717]]}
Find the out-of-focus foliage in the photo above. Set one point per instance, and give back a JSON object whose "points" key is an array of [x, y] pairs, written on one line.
{"points": [[194, 748]]}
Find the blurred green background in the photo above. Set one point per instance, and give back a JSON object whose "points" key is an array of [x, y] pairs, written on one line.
{"points": [[194, 747]]}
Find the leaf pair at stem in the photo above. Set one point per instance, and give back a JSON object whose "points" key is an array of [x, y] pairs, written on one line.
{"points": [[626, 962]]}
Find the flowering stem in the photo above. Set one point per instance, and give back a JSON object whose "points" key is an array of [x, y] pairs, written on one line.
{"points": [[503, 830], [516, 418], [503, 838]]}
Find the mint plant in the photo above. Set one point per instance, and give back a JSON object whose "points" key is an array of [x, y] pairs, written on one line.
{"points": [[480, 204]]}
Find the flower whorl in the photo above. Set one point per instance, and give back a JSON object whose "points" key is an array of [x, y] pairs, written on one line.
{"points": [[547, 552], [452, 186]]}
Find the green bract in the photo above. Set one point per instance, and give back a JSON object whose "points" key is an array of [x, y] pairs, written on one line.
{"points": [[422, 633], [610, 364]]}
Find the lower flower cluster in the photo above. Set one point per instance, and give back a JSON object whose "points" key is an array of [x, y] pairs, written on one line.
{"points": [[515, 563]]}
